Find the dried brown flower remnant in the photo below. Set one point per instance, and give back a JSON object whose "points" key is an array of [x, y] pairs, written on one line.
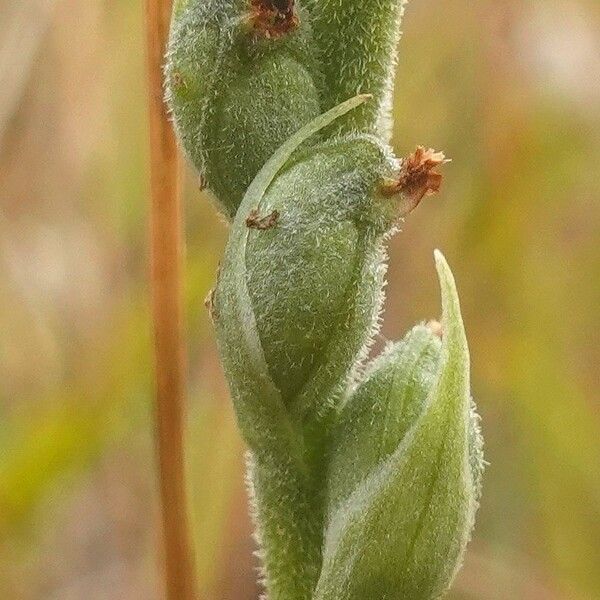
{"points": [[253, 221], [418, 178], [274, 18]]}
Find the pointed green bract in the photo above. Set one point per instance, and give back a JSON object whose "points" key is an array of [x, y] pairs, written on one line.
{"points": [[403, 530]]}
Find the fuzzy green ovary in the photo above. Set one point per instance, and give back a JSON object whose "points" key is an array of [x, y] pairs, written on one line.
{"points": [[357, 40], [305, 273], [236, 96], [252, 119]]}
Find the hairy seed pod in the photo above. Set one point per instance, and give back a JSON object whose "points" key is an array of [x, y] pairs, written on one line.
{"points": [[358, 40], [401, 532], [241, 78], [313, 263], [315, 277]]}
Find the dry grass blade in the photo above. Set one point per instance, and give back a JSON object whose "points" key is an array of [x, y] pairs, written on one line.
{"points": [[167, 255]]}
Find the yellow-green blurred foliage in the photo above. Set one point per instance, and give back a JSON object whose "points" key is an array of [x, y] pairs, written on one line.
{"points": [[510, 90]]}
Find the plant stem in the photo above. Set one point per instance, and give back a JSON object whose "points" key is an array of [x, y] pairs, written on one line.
{"points": [[170, 361]]}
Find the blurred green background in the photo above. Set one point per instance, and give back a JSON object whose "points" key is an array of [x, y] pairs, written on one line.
{"points": [[510, 90]]}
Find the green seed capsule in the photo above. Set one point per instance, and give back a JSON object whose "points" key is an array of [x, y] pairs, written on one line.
{"points": [[402, 510], [358, 40], [303, 270], [314, 266], [315, 277], [241, 78]]}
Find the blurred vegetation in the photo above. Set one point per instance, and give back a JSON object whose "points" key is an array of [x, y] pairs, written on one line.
{"points": [[510, 90]]}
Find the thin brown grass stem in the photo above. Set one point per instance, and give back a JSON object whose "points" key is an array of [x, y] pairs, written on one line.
{"points": [[170, 360]]}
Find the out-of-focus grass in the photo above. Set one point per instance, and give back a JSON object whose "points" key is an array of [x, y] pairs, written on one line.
{"points": [[507, 90]]}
